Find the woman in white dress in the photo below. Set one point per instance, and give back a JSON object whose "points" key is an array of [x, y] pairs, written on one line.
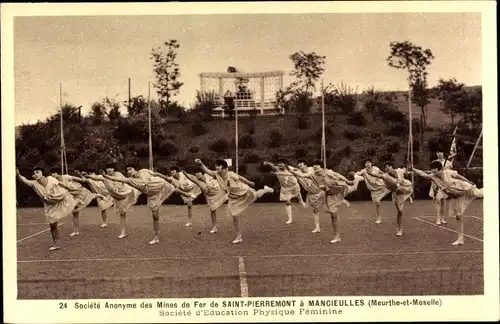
{"points": [[58, 202], [240, 193], [460, 191]]}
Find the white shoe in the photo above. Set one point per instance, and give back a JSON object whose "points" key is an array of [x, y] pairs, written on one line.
{"points": [[410, 200], [346, 203], [458, 242], [438, 222], [213, 230], [188, 224], [268, 189], [443, 221], [316, 230], [335, 240], [399, 233], [288, 222], [104, 225], [237, 240], [74, 234], [154, 241], [378, 221], [122, 235], [303, 204], [54, 247]]}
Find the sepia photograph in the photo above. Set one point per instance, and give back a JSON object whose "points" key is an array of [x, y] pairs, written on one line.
{"points": [[167, 157]]}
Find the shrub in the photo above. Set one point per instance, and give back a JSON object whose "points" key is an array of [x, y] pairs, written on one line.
{"points": [[275, 138], [301, 152], [389, 113], [251, 158], [302, 122], [352, 134], [220, 145], [198, 129], [393, 147], [346, 151], [246, 142], [194, 149], [356, 118], [242, 168], [397, 129], [167, 148]]}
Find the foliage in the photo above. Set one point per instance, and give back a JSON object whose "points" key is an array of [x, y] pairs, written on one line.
{"points": [[137, 105], [308, 68], [206, 102], [341, 98], [246, 142], [275, 138], [167, 72], [414, 59], [220, 145]]}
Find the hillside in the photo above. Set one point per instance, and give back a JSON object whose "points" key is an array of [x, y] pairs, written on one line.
{"points": [[351, 137]]}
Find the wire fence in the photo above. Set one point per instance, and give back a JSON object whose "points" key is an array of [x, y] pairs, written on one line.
{"points": [[399, 282]]}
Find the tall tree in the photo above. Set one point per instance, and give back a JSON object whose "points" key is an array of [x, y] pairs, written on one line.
{"points": [[167, 72], [308, 68], [452, 95], [414, 59]]}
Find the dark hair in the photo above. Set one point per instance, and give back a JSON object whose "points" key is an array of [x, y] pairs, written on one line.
{"points": [[193, 169], [130, 165], [436, 165], [110, 165], [221, 163], [389, 163], [302, 161], [38, 168], [54, 170], [318, 162], [175, 168], [367, 160], [282, 160]]}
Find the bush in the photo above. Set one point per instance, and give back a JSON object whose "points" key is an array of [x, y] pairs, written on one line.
{"points": [[397, 129], [242, 168], [356, 118], [167, 148], [275, 138], [251, 158], [194, 149], [352, 134], [346, 151], [301, 152], [389, 113], [393, 147], [198, 129], [246, 142], [302, 122], [220, 146]]}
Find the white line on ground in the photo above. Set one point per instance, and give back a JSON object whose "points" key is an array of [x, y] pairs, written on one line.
{"points": [[260, 256], [448, 229], [37, 233], [243, 277], [466, 216]]}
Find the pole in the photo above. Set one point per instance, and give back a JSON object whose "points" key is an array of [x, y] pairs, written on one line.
{"points": [[410, 135], [149, 128], [475, 147], [323, 135], [236, 132], [62, 129], [129, 96]]}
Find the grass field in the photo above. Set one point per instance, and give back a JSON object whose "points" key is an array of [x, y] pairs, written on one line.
{"points": [[273, 260]]}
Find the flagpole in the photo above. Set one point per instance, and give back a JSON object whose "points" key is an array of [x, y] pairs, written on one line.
{"points": [[62, 129], [149, 129], [475, 147], [236, 129], [323, 135], [410, 135]]}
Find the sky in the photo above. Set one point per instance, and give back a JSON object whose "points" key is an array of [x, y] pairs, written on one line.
{"points": [[93, 56]]}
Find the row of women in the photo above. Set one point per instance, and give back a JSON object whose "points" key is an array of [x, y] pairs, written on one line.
{"points": [[326, 190]]}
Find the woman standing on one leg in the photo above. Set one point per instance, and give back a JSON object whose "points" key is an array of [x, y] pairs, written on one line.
{"points": [[460, 190], [213, 192], [82, 196], [58, 202], [289, 186], [438, 196], [104, 199], [377, 188], [186, 185], [401, 189], [240, 195], [124, 195]]}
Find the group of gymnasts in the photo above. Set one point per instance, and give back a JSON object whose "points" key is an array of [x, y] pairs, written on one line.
{"points": [[326, 190]]}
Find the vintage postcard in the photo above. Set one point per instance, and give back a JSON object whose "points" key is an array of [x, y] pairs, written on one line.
{"points": [[250, 162]]}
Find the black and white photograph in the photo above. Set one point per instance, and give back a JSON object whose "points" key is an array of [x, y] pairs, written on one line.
{"points": [[248, 158]]}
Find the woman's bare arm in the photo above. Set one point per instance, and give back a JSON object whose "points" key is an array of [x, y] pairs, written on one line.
{"points": [[204, 168], [23, 179]]}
